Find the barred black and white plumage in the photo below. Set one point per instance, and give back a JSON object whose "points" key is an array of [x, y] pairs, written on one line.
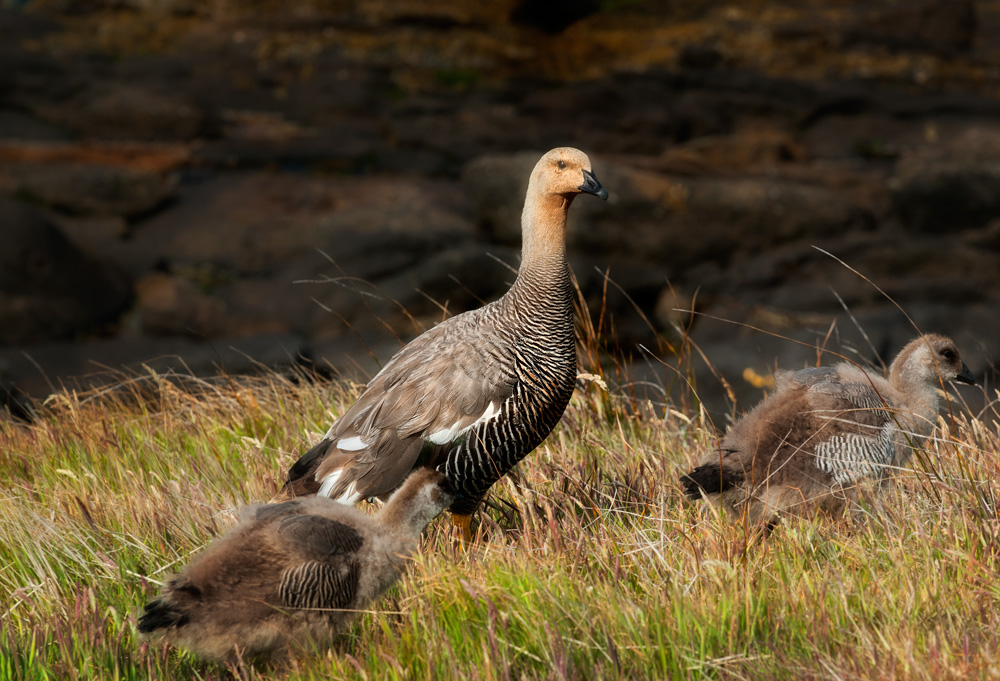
{"points": [[475, 394], [825, 429], [853, 456], [543, 371], [293, 573], [318, 585]]}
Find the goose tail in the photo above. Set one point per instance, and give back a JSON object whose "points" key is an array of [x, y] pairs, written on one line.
{"points": [[710, 478], [302, 475], [161, 614]]}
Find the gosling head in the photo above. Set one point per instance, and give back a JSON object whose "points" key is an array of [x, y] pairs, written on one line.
{"points": [[930, 359], [566, 172], [418, 501]]}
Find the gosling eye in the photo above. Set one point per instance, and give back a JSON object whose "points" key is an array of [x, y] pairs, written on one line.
{"points": [[562, 165], [948, 354]]}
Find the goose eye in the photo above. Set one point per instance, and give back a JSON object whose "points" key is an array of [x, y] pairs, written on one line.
{"points": [[948, 354], [562, 165]]}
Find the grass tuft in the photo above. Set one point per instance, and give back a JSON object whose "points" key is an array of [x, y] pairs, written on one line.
{"points": [[589, 564]]}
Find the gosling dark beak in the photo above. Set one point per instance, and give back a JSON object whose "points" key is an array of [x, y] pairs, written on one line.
{"points": [[592, 186], [966, 376]]}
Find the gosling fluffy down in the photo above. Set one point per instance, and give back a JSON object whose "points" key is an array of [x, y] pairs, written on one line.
{"points": [[293, 574], [824, 430]]}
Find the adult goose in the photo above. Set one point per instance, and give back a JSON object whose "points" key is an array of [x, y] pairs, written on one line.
{"points": [[293, 573], [824, 429], [476, 393]]}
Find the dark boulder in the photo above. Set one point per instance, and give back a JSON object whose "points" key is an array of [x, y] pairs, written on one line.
{"points": [[949, 195], [258, 223], [168, 305], [48, 288], [939, 26], [87, 189], [117, 110], [952, 186]]}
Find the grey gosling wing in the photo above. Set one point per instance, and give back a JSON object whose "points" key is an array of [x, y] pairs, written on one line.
{"points": [[825, 429], [292, 573], [854, 426], [473, 395], [329, 574]]}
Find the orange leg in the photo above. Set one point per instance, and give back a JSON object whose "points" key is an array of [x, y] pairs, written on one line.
{"points": [[463, 524]]}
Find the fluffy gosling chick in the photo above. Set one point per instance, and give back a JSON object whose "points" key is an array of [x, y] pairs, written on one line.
{"points": [[824, 430], [293, 573]]}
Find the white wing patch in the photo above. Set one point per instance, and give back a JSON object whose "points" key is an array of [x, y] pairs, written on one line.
{"points": [[351, 444], [443, 437], [329, 482], [350, 495]]}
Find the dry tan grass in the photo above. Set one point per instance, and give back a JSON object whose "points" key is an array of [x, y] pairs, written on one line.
{"points": [[589, 564]]}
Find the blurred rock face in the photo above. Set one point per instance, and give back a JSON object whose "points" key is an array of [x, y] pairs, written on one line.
{"points": [[319, 183], [49, 289]]}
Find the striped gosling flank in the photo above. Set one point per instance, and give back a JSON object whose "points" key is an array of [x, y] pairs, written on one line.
{"points": [[473, 395], [293, 573], [824, 430]]}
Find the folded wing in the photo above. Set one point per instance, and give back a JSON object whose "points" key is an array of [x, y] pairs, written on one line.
{"points": [[432, 394]]}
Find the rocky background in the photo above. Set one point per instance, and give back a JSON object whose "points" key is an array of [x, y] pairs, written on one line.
{"points": [[202, 185]]}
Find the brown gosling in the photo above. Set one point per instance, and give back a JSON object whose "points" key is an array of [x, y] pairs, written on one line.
{"points": [[824, 430], [293, 574], [476, 393]]}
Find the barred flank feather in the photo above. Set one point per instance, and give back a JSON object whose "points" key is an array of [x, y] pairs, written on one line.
{"points": [[543, 360], [315, 585], [854, 456]]}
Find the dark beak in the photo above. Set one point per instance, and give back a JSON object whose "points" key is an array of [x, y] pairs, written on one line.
{"points": [[592, 186], [966, 376]]}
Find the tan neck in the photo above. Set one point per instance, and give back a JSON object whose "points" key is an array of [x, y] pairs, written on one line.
{"points": [[543, 230]]}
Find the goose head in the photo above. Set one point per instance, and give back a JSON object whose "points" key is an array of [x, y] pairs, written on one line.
{"points": [[566, 172]]}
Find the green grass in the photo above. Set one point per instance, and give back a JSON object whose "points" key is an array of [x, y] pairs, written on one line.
{"points": [[590, 565]]}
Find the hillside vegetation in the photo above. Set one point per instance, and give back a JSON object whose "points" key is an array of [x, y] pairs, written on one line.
{"points": [[589, 564]]}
